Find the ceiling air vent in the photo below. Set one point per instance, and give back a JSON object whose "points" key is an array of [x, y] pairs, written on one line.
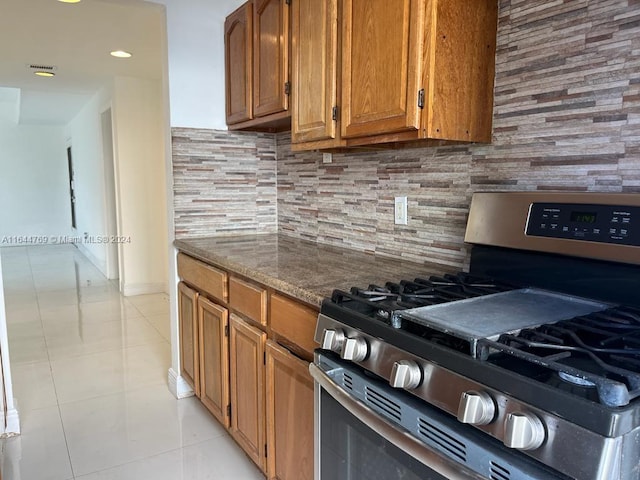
{"points": [[46, 68]]}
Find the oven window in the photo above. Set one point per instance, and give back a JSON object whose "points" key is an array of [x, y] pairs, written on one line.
{"points": [[352, 451]]}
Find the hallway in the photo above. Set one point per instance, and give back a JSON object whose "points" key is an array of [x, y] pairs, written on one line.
{"points": [[89, 371]]}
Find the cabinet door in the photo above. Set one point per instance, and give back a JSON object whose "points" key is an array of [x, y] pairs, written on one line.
{"points": [[238, 64], [246, 347], [382, 46], [314, 39], [187, 318], [214, 359], [270, 56], [289, 416]]}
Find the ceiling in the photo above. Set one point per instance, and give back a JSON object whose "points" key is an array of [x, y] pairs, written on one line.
{"points": [[76, 39]]}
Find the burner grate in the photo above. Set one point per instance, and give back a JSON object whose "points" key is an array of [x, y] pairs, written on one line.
{"points": [[599, 351], [383, 302]]}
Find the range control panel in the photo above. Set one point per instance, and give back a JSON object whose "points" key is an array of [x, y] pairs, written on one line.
{"points": [[593, 223]]}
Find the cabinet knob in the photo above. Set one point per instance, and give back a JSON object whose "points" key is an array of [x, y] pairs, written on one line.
{"points": [[355, 349], [405, 374], [476, 408], [523, 431], [332, 340]]}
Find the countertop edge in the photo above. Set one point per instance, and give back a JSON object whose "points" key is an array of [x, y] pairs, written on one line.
{"points": [[301, 294]]}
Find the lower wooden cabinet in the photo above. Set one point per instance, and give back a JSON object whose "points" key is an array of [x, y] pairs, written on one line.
{"points": [[247, 357], [189, 345], [289, 415], [213, 326], [260, 391]]}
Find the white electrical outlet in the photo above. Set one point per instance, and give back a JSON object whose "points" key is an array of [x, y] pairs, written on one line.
{"points": [[327, 157], [400, 211]]}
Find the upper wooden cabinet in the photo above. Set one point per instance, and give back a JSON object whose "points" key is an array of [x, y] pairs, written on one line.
{"points": [[314, 73], [409, 70], [238, 49], [270, 57], [257, 66]]}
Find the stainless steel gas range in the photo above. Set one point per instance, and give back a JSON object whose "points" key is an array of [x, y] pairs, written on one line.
{"points": [[525, 367]]}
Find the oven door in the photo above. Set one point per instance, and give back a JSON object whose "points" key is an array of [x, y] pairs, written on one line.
{"points": [[355, 443], [366, 430]]}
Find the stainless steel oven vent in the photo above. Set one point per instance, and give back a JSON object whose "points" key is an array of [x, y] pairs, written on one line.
{"points": [[347, 381], [499, 472], [383, 404], [443, 441]]}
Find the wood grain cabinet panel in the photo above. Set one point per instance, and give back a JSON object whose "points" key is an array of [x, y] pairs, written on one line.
{"points": [[248, 299], [293, 321], [289, 416], [214, 359], [257, 65], [460, 83], [314, 73], [188, 327], [408, 70], [203, 277], [270, 57], [381, 66], [246, 348], [238, 47]]}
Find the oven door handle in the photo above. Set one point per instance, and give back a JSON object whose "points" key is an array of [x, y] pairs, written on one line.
{"points": [[391, 433]]}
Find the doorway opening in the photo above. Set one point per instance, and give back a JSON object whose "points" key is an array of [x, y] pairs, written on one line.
{"points": [[72, 193]]}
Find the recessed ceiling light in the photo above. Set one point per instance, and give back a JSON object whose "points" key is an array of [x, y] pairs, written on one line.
{"points": [[69, 1], [42, 73], [120, 54]]}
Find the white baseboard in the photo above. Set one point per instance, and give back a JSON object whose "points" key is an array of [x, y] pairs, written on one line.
{"points": [[100, 265], [13, 424], [177, 385], [143, 289]]}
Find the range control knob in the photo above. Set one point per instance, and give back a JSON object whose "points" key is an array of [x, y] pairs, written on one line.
{"points": [[333, 340], [476, 408], [405, 374], [523, 431], [355, 349]]}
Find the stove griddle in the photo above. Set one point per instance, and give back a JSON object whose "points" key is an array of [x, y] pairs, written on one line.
{"points": [[489, 316]]}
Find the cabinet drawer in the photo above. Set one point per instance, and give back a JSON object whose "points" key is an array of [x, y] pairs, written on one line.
{"points": [[204, 277], [293, 321], [248, 299]]}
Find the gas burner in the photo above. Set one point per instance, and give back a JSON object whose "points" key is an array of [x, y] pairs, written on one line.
{"points": [[598, 351]]}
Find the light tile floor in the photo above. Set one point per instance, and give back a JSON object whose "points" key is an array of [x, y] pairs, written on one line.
{"points": [[89, 373]]}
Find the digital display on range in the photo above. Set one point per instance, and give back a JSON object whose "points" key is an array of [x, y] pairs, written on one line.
{"points": [[584, 217]]}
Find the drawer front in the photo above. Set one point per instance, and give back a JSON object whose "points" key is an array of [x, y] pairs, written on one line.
{"points": [[204, 277], [293, 321], [248, 299]]}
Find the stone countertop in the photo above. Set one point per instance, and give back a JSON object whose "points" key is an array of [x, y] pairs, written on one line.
{"points": [[305, 270]]}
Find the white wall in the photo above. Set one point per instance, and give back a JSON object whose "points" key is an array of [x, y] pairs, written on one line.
{"points": [[84, 135], [34, 184], [138, 120], [195, 71], [139, 157], [9, 420], [195, 32]]}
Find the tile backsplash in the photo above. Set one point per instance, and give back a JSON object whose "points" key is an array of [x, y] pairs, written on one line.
{"points": [[223, 182], [566, 117]]}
